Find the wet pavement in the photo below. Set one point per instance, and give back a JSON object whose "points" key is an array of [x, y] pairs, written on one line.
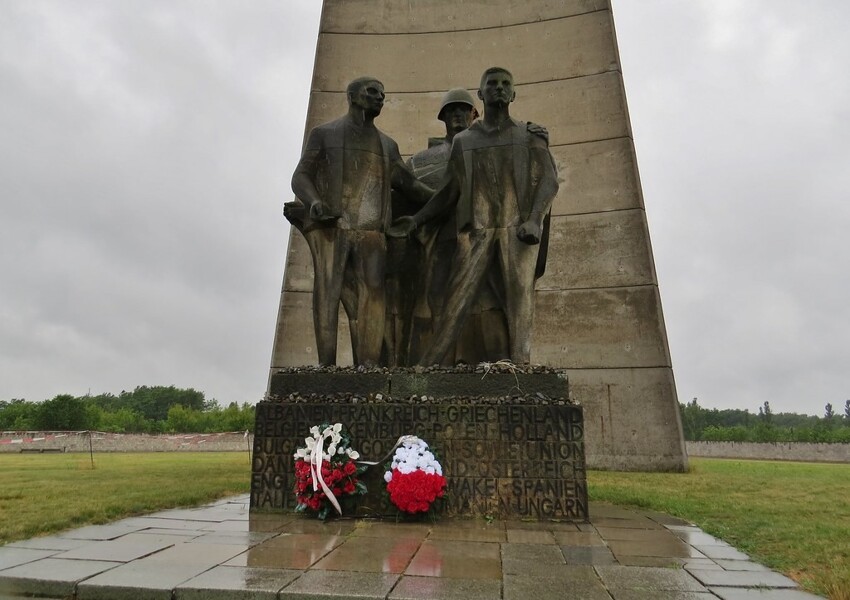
{"points": [[219, 551]]}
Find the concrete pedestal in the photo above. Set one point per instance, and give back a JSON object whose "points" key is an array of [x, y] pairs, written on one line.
{"points": [[510, 444]]}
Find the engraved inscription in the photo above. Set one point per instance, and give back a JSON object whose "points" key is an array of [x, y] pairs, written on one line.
{"points": [[519, 460]]}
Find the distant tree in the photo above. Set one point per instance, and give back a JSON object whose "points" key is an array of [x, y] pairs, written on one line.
{"points": [[17, 414], [182, 420], [765, 415], [731, 417], [139, 411], [693, 420], [236, 418], [828, 417], [106, 402], [214, 419], [126, 420], [738, 433], [62, 413], [795, 420], [154, 402], [94, 415], [847, 412]]}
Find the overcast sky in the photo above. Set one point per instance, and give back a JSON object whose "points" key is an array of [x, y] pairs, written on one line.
{"points": [[146, 149]]}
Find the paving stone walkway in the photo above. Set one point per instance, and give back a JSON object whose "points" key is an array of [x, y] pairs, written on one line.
{"points": [[219, 551]]}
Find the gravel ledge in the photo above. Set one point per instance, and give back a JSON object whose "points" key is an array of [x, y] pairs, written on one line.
{"points": [[493, 383]]}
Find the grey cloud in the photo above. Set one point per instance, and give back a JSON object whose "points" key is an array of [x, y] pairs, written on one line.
{"points": [[148, 145], [739, 111]]}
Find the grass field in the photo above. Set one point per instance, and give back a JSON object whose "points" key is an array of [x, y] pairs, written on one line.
{"points": [[43, 493], [793, 517]]}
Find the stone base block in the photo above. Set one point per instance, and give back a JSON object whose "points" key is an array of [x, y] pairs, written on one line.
{"points": [[510, 444]]}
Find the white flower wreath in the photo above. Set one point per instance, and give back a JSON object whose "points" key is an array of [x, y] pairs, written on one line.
{"points": [[413, 455], [330, 435]]}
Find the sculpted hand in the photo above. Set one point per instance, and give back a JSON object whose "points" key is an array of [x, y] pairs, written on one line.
{"points": [[318, 213], [538, 130], [529, 232], [402, 227]]}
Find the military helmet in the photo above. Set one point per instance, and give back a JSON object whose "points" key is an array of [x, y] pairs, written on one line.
{"points": [[456, 96]]}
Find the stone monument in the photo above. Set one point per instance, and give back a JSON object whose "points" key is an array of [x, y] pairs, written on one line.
{"points": [[597, 308], [513, 443]]}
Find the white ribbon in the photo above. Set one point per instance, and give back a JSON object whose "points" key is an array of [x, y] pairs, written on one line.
{"points": [[316, 469], [316, 464], [401, 440]]}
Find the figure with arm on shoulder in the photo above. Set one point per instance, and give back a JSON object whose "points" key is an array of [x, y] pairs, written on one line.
{"points": [[500, 184]]}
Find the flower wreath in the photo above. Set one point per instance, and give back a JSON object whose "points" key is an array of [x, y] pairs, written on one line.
{"points": [[325, 470], [414, 477]]}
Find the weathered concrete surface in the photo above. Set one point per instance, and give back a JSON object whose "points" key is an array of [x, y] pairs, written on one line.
{"points": [[295, 340], [597, 177], [606, 326], [628, 412], [597, 250], [794, 451], [536, 49], [368, 16], [582, 109], [598, 309]]}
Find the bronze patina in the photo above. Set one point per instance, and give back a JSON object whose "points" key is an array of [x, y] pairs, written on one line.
{"points": [[343, 182], [462, 289], [500, 183]]}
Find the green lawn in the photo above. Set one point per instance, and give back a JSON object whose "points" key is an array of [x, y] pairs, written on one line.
{"points": [[792, 517], [43, 493]]}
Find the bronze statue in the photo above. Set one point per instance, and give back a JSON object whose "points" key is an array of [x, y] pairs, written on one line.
{"points": [[343, 181], [420, 266], [501, 182]]}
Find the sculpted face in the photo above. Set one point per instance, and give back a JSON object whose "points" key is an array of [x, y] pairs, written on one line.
{"points": [[457, 116], [370, 97], [497, 89]]}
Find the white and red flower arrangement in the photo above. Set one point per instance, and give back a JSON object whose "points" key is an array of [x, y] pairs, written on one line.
{"points": [[414, 477], [325, 470]]}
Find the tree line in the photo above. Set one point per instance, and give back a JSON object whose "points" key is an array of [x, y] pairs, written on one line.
{"points": [[155, 409], [160, 409], [736, 425]]}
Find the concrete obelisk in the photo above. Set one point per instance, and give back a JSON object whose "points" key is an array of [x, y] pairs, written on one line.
{"points": [[598, 309]]}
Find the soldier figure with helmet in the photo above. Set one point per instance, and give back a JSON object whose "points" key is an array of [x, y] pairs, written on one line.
{"points": [[500, 183], [419, 267]]}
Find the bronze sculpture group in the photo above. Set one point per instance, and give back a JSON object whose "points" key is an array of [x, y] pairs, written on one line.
{"points": [[434, 261]]}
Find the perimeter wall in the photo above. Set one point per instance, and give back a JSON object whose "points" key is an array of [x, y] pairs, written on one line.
{"points": [[98, 441], [794, 451]]}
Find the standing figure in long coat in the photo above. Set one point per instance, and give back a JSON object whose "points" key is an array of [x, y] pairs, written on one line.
{"points": [[344, 181]]}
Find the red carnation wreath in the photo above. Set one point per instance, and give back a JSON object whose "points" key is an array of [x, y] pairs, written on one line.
{"points": [[325, 470], [414, 477]]}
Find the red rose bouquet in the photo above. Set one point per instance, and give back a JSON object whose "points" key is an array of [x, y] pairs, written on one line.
{"points": [[325, 470], [414, 477]]}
